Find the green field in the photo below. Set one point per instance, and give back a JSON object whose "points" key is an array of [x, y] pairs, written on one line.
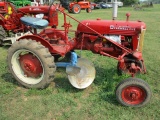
{"points": [[60, 101]]}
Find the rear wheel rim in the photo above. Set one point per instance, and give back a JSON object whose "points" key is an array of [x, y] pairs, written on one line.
{"points": [[20, 67], [133, 95]]}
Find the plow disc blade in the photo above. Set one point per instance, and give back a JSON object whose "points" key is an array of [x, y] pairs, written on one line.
{"points": [[83, 75], [71, 70]]}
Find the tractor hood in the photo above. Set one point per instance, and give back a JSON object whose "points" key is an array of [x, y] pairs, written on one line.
{"points": [[36, 9], [111, 27]]}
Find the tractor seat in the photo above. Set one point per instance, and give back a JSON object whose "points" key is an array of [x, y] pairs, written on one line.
{"points": [[34, 22]]}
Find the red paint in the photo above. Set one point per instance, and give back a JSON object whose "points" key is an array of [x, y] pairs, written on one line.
{"points": [[82, 4], [133, 95], [138, 55], [131, 66], [90, 35], [3, 7], [52, 16], [111, 27], [76, 9], [12, 21], [30, 65]]}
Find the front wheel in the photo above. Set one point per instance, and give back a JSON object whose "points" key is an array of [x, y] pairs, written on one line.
{"points": [[88, 10], [76, 9], [133, 92], [31, 63]]}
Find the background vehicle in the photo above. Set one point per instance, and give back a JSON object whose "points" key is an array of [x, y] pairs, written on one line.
{"points": [[65, 4], [120, 4], [33, 59], [76, 7], [105, 5], [95, 6], [20, 3]]}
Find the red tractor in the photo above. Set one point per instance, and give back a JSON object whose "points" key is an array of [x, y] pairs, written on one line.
{"points": [[11, 28], [33, 59], [75, 7], [10, 25]]}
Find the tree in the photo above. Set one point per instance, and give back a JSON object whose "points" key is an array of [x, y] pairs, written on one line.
{"points": [[129, 2], [155, 1]]}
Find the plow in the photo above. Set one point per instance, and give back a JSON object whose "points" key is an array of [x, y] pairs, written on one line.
{"points": [[34, 58]]}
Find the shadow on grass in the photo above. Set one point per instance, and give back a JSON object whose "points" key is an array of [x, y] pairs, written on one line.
{"points": [[103, 86], [9, 78], [107, 80], [6, 47], [61, 81]]}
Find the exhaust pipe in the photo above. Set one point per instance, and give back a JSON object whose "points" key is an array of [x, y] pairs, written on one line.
{"points": [[115, 9]]}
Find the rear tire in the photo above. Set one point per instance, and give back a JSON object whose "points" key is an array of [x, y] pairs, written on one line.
{"points": [[133, 92], [76, 9], [69, 10], [2, 35], [31, 64]]}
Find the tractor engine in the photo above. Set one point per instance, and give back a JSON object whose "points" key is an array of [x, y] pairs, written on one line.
{"points": [[126, 34]]}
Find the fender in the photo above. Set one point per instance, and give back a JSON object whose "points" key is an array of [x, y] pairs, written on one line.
{"points": [[39, 39]]}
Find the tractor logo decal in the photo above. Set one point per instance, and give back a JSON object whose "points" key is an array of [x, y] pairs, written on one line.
{"points": [[34, 9], [112, 27]]}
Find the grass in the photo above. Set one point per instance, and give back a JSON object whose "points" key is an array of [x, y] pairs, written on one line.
{"points": [[60, 101]]}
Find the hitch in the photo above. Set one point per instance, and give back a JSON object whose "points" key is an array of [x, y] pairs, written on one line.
{"points": [[71, 67], [81, 72]]}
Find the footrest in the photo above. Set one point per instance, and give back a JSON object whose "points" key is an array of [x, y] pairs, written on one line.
{"points": [[34, 22]]}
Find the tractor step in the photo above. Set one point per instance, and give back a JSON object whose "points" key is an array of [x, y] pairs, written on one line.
{"points": [[10, 40]]}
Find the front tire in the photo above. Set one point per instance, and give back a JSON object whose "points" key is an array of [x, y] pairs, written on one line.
{"points": [[76, 9], [31, 64], [88, 10], [133, 92]]}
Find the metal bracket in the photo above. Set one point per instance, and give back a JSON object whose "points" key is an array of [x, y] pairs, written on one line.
{"points": [[73, 61]]}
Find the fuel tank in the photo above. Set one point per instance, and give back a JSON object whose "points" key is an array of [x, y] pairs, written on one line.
{"points": [[50, 13], [35, 9], [111, 27]]}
